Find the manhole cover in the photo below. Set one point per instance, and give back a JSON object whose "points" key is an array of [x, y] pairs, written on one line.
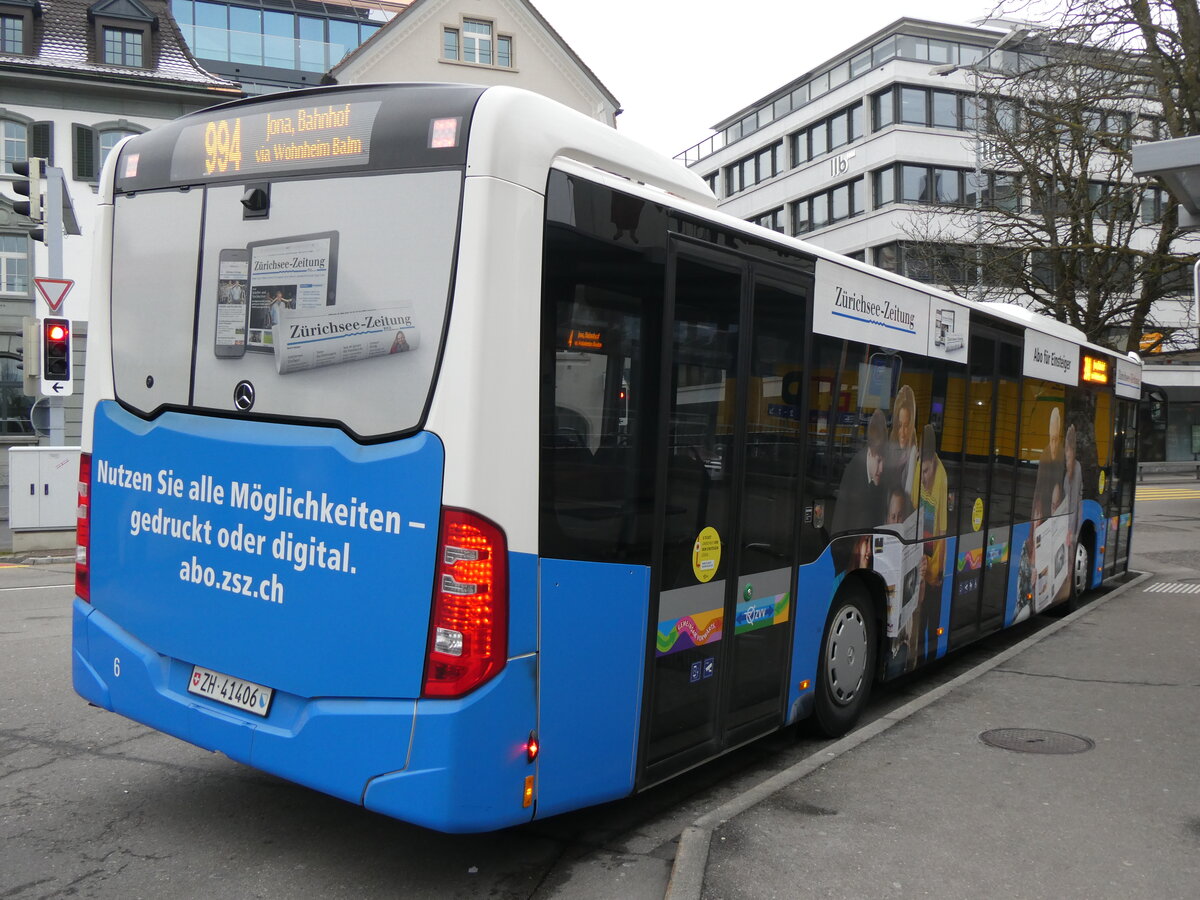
{"points": [[1035, 740]]}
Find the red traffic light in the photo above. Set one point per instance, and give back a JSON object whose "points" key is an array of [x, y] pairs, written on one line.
{"points": [[57, 332]]}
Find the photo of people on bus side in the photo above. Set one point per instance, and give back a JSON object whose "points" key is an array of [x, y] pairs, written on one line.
{"points": [[1055, 515], [897, 483]]}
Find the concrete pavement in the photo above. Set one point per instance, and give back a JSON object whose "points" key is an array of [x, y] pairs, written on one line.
{"points": [[918, 804]]}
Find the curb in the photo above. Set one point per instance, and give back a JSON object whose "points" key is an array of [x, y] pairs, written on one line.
{"points": [[35, 560], [691, 855]]}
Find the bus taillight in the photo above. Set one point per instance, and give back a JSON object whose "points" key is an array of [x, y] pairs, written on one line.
{"points": [[83, 528], [468, 635]]}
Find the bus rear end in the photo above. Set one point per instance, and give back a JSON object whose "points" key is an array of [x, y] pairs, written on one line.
{"points": [[267, 564]]}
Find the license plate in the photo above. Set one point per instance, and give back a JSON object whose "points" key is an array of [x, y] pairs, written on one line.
{"points": [[253, 698]]}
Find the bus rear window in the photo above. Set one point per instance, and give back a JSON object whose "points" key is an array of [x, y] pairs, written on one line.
{"points": [[330, 308]]}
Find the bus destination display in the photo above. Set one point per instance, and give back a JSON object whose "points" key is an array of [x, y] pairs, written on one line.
{"points": [[282, 139]]}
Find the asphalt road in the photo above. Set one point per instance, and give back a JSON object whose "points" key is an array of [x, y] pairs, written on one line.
{"points": [[93, 805]]}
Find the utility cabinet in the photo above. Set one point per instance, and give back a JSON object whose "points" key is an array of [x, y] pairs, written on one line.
{"points": [[43, 488]]}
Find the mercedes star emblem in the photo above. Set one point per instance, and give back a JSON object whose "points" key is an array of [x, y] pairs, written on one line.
{"points": [[243, 396]]}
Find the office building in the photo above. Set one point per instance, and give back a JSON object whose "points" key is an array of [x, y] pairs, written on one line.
{"points": [[876, 148]]}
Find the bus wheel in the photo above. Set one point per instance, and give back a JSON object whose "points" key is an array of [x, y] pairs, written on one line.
{"points": [[1081, 571], [847, 664]]}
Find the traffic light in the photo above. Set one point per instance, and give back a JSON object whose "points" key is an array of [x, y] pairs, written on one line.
{"points": [[56, 350], [32, 173]]}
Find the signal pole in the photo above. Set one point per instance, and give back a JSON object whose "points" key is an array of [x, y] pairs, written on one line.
{"points": [[54, 247]]}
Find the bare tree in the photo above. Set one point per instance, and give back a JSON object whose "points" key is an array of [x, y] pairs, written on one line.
{"points": [[1058, 216]]}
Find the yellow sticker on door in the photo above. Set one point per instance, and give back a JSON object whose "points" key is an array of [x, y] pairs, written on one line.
{"points": [[977, 514], [706, 554]]}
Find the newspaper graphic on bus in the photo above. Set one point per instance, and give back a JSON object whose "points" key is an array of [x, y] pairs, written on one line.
{"points": [[290, 275], [312, 338]]}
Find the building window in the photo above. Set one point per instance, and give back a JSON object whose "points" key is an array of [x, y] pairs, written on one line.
{"points": [[914, 184], [15, 137], [912, 106], [93, 143], [1154, 201], [749, 171], [268, 37], [21, 138], [885, 186], [842, 202], [108, 140], [939, 185], [772, 220], [14, 405], [16, 26], [475, 41], [12, 34], [922, 106], [842, 128], [122, 47], [883, 109], [14, 265], [947, 264]]}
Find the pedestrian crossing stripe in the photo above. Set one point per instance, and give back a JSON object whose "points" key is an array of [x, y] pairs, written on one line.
{"points": [[1173, 587]]}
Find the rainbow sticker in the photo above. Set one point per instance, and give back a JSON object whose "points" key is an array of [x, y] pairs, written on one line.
{"points": [[696, 630]]}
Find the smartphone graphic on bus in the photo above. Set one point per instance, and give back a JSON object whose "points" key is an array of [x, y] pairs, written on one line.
{"points": [[233, 303]]}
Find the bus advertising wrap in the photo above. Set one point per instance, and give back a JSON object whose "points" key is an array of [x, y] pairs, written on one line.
{"points": [[854, 305], [265, 564], [280, 296], [309, 340]]}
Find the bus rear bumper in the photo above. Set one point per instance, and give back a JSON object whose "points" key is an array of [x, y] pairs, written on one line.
{"points": [[453, 765]]}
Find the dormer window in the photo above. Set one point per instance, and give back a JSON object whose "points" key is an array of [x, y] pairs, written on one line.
{"points": [[123, 46], [16, 26], [122, 33]]}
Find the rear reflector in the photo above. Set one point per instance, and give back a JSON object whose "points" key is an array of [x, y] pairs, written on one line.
{"points": [[468, 635], [83, 529]]}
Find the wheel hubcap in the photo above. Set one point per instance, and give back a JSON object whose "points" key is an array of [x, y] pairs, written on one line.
{"points": [[1081, 568], [845, 662]]}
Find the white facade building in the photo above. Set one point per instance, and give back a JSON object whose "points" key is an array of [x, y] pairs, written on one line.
{"points": [[492, 42], [849, 155]]}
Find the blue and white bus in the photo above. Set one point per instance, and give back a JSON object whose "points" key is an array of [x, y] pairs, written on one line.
{"points": [[446, 452]]}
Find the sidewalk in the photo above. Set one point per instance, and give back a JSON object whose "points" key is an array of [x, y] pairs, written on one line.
{"points": [[917, 804], [27, 556]]}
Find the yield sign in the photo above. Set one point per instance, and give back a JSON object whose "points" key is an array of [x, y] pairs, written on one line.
{"points": [[55, 290]]}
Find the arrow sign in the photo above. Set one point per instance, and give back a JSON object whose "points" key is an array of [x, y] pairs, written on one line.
{"points": [[54, 290]]}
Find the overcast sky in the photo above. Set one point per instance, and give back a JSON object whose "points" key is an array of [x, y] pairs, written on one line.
{"points": [[678, 67]]}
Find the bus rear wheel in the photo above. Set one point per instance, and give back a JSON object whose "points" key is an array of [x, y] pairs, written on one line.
{"points": [[847, 663], [1081, 571]]}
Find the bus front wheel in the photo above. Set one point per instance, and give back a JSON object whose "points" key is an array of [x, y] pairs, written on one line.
{"points": [[847, 663]]}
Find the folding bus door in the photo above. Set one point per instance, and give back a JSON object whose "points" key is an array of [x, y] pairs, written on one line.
{"points": [[985, 507], [725, 549]]}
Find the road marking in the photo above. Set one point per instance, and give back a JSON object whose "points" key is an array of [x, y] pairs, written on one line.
{"points": [[36, 587], [1168, 493], [1172, 587]]}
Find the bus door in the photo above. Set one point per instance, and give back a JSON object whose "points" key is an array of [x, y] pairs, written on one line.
{"points": [[985, 496], [727, 504], [1124, 484]]}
